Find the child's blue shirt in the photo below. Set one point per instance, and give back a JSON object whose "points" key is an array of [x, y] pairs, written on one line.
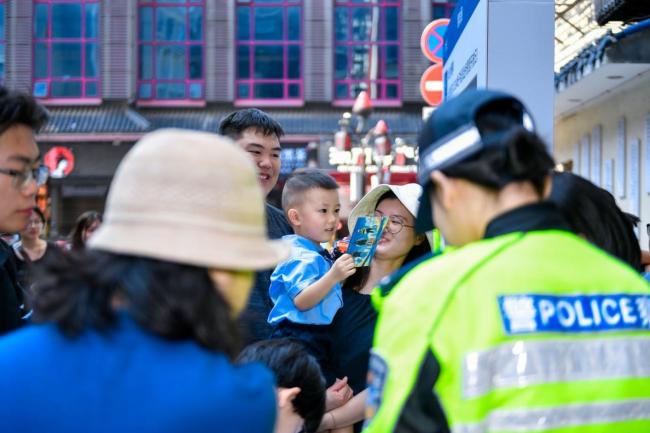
{"points": [[304, 267]]}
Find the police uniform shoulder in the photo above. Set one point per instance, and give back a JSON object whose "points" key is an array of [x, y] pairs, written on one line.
{"points": [[449, 260], [386, 284]]}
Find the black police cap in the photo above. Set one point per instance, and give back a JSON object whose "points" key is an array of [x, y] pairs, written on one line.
{"points": [[450, 136]]}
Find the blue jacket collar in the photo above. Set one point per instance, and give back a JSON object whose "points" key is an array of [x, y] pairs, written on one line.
{"points": [[302, 242]]}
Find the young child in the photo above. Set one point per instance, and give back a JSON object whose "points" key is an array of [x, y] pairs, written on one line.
{"points": [[306, 289]]}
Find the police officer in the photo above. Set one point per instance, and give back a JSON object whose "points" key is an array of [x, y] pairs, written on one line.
{"points": [[524, 326]]}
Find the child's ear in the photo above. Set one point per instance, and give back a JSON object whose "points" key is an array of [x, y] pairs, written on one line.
{"points": [[294, 217], [286, 396]]}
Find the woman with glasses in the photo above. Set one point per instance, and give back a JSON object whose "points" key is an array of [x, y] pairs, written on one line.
{"points": [[353, 325]]}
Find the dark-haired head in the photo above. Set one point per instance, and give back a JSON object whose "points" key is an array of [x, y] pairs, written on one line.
{"points": [[87, 223], [293, 366], [34, 228], [37, 211], [522, 157], [486, 138], [301, 182], [632, 219], [479, 157], [593, 213], [235, 123], [17, 108], [78, 290]]}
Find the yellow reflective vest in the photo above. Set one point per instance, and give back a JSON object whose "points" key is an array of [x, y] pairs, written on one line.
{"points": [[535, 331]]}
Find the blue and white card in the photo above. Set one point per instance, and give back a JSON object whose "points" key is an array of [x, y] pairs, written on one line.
{"points": [[363, 242]]}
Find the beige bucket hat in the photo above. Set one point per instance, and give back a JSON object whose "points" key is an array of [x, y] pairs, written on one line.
{"points": [[408, 195], [188, 197]]}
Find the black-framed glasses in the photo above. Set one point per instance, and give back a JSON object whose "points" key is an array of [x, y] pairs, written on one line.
{"points": [[24, 177], [395, 223]]}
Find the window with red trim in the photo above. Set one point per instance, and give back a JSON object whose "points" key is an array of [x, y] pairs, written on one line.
{"points": [[367, 50], [171, 50], [269, 52], [442, 9], [66, 49], [3, 41]]}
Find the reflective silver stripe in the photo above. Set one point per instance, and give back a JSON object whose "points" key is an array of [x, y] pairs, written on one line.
{"points": [[524, 363], [463, 140], [526, 420], [454, 146]]}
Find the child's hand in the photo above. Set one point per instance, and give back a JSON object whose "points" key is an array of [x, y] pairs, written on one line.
{"points": [[343, 267], [338, 394]]}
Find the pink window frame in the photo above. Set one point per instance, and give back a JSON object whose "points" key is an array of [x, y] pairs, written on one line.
{"points": [[187, 43], [83, 40], [251, 81], [382, 83], [3, 40]]}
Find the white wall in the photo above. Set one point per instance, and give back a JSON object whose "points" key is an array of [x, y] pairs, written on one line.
{"points": [[633, 104]]}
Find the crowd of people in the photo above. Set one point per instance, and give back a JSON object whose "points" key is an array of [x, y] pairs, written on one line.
{"points": [[192, 304]]}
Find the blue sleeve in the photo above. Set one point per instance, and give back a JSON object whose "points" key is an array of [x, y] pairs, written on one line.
{"points": [[256, 387], [296, 275]]}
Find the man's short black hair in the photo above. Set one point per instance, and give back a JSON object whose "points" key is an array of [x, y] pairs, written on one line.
{"points": [[17, 108], [293, 366], [302, 181], [234, 124]]}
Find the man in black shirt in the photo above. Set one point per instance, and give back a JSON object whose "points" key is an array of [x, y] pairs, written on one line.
{"points": [[20, 175], [259, 135]]}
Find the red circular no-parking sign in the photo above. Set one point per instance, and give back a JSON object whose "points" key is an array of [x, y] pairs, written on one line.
{"points": [[60, 161], [433, 39]]}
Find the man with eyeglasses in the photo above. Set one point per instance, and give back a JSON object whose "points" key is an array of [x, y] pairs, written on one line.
{"points": [[20, 175]]}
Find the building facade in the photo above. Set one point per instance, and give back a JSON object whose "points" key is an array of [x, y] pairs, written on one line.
{"points": [[110, 71], [602, 125]]}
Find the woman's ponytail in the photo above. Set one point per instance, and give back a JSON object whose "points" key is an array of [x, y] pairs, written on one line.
{"points": [[527, 158]]}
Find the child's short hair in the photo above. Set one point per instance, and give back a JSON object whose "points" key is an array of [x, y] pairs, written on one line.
{"points": [[302, 181], [292, 366]]}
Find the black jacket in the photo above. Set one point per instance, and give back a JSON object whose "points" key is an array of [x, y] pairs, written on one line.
{"points": [[11, 295], [259, 306]]}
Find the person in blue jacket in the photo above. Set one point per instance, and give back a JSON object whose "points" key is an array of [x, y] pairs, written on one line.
{"points": [[138, 333]]}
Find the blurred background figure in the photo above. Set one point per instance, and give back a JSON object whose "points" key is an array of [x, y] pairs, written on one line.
{"points": [[592, 213], [138, 333], [83, 228], [31, 248]]}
